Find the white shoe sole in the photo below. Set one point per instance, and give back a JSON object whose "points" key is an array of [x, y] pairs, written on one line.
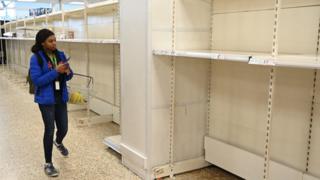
{"points": [[53, 175]]}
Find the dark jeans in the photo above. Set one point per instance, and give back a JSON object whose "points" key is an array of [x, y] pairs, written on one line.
{"points": [[50, 114]]}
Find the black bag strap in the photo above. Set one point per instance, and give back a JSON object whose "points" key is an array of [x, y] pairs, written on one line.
{"points": [[39, 59], [40, 63]]}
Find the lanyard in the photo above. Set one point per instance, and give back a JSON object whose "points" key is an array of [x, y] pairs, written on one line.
{"points": [[54, 60]]}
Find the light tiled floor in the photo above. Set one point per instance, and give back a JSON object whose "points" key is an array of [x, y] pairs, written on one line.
{"points": [[21, 151]]}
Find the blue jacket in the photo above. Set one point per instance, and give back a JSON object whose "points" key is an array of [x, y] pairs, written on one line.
{"points": [[43, 78]]}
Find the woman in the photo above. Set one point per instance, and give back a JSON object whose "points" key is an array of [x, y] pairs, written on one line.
{"points": [[51, 93]]}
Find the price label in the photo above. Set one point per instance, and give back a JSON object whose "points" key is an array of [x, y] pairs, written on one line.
{"points": [[264, 62]]}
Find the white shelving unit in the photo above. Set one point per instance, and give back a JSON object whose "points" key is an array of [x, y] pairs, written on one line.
{"points": [[223, 82], [90, 36], [232, 83], [113, 142], [228, 25]]}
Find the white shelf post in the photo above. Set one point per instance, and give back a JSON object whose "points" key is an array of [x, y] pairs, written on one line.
{"points": [[10, 59], [313, 101], [136, 55], [2, 50], [172, 91], [34, 19], [85, 14], [25, 26], [272, 77], [5, 48], [210, 72], [47, 19], [62, 19]]}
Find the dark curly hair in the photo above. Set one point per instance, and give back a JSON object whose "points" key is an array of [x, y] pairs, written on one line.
{"points": [[41, 37]]}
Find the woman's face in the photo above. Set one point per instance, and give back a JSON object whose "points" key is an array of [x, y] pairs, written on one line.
{"points": [[50, 43]]}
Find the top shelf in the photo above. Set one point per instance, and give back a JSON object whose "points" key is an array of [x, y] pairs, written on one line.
{"points": [[254, 58], [22, 39], [91, 9], [91, 41], [104, 3]]}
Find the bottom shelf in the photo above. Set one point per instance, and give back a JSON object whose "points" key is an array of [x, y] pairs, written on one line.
{"points": [[113, 142], [246, 164]]}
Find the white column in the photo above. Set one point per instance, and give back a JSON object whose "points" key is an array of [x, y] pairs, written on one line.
{"points": [[135, 84]]}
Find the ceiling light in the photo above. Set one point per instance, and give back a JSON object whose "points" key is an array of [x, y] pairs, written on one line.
{"points": [[27, 0], [76, 3]]}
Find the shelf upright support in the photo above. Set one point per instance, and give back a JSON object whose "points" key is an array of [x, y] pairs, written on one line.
{"points": [[87, 57], [172, 91], [25, 26], [34, 19], [52, 5], [272, 77], [114, 57], [313, 101], [25, 36], [318, 43], [47, 21], [19, 53], [85, 15], [210, 71], [1, 45], [4, 43], [62, 19], [16, 24], [17, 59], [10, 60], [13, 49], [118, 65], [20, 56], [7, 50], [7, 29], [116, 62]]}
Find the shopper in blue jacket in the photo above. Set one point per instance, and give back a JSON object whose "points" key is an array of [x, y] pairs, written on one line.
{"points": [[51, 93]]}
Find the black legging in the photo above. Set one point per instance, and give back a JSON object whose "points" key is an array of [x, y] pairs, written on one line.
{"points": [[50, 114]]}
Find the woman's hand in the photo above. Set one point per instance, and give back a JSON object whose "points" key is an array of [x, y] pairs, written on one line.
{"points": [[62, 68], [68, 71]]}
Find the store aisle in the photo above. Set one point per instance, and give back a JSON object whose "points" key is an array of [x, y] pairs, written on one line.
{"points": [[21, 152]]}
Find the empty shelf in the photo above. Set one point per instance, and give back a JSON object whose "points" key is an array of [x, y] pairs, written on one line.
{"points": [[254, 58], [17, 38], [104, 3], [57, 13], [212, 54], [43, 16], [298, 61], [74, 11], [37, 28], [113, 142], [98, 41]]}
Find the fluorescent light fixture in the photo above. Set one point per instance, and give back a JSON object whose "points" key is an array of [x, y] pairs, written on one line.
{"points": [[76, 3], [27, 0]]}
